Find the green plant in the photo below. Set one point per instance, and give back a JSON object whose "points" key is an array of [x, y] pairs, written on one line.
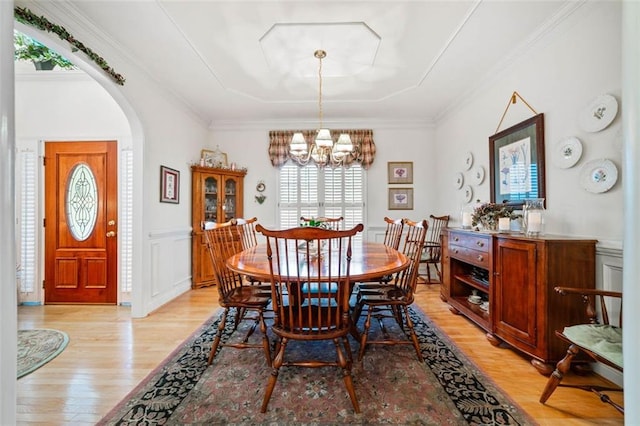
{"points": [[315, 223], [487, 214], [25, 16], [29, 49]]}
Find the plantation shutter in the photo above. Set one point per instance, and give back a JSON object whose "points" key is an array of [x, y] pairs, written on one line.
{"points": [[125, 228], [311, 192], [28, 250]]}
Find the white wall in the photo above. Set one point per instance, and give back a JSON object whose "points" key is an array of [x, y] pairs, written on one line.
{"points": [[248, 147], [568, 68]]}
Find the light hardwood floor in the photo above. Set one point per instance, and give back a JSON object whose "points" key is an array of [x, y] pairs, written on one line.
{"points": [[109, 353]]}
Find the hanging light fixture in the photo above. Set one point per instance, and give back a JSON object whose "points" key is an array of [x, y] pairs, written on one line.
{"points": [[323, 151]]}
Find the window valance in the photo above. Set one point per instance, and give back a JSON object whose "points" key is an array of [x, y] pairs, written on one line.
{"points": [[364, 151]]}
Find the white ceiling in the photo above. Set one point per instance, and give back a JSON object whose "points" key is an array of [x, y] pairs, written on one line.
{"points": [[252, 61]]}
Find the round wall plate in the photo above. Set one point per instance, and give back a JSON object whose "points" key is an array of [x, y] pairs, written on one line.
{"points": [[599, 113], [468, 194], [598, 176], [468, 160], [459, 181], [567, 152], [478, 175]]}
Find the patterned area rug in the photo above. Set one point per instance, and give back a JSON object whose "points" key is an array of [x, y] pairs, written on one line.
{"points": [[38, 347], [391, 385]]}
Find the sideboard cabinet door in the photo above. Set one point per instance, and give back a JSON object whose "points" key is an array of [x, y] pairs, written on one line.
{"points": [[515, 293]]}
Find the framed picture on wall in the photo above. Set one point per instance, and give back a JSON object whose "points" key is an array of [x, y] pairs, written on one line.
{"points": [[169, 185], [400, 172], [400, 198], [516, 162]]}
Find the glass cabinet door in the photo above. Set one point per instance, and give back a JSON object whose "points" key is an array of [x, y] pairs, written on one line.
{"points": [[230, 202], [210, 199]]}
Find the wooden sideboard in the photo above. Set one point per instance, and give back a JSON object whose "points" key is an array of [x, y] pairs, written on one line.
{"points": [[516, 275]]}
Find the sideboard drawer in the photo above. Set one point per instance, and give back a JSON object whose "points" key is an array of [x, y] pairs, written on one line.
{"points": [[469, 255], [474, 242]]}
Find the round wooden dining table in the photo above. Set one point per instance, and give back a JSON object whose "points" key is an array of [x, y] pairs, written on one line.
{"points": [[369, 262]]}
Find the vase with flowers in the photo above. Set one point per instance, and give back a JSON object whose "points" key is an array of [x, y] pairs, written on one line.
{"points": [[488, 215]]}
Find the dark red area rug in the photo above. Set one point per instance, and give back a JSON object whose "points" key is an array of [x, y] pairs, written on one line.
{"points": [[391, 385]]}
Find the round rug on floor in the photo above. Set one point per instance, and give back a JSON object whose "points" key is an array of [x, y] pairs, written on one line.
{"points": [[38, 347]]}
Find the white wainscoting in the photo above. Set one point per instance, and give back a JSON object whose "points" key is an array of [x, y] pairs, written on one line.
{"points": [[609, 277], [170, 273], [376, 234]]}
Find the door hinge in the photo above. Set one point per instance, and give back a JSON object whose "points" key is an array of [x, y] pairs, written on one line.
{"points": [[44, 160], [44, 222], [43, 284]]}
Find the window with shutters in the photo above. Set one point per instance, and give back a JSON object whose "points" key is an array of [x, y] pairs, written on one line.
{"points": [[125, 229], [28, 225], [310, 191]]}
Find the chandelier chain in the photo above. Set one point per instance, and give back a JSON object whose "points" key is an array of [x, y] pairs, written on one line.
{"points": [[320, 54]]}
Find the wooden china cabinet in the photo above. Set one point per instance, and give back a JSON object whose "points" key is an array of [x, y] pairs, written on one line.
{"points": [[217, 196], [515, 276]]}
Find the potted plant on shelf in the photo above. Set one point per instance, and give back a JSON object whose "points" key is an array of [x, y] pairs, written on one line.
{"points": [[487, 215], [42, 57]]}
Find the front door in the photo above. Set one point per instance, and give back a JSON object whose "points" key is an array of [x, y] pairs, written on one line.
{"points": [[81, 214]]}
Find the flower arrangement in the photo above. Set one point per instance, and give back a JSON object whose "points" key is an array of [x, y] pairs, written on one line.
{"points": [[487, 214]]}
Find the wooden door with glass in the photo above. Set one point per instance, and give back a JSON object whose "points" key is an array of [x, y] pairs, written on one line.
{"points": [[81, 213]]}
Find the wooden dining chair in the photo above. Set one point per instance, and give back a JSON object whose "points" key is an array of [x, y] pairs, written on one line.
{"points": [[432, 252], [392, 237], [598, 338], [246, 229], [247, 232], [392, 301], [233, 293], [334, 223], [310, 287]]}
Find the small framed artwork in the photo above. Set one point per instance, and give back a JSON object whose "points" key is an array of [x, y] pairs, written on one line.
{"points": [[169, 185], [400, 172], [206, 156], [400, 198], [215, 158], [517, 166]]}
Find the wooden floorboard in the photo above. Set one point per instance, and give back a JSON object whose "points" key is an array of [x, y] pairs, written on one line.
{"points": [[109, 354]]}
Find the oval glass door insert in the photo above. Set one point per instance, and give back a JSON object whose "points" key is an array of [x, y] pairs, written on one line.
{"points": [[82, 202]]}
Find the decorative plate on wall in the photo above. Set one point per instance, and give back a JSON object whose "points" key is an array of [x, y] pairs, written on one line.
{"points": [[468, 194], [478, 175], [468, 161], [598, 176], [567, 152], [459, 181], [599, 113]]}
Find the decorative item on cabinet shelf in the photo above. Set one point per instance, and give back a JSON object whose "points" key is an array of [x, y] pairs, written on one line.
{"points": [[218, 160], [533, 216], [467, 214], [488, 215]]}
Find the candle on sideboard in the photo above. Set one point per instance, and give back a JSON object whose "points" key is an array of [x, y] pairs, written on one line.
{"points": [[466, 220], [534, 222], [504, 224]]}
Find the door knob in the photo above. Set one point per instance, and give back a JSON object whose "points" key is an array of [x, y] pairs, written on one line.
{"points": [[111, 234]]}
